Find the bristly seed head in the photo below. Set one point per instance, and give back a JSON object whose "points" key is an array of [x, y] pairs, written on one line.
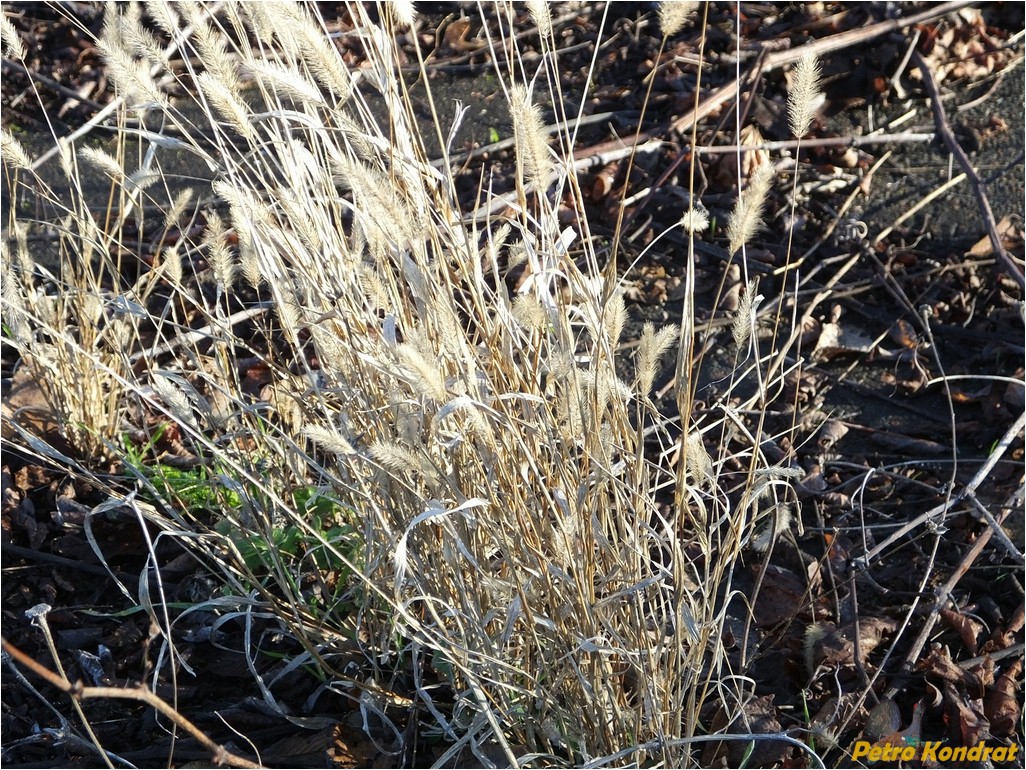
{"points": [[13, 46], [744, 319], [541, 17], [695, 220], [804, 97], [534, 159], [746, 218], [674, 15], [403, 12]]}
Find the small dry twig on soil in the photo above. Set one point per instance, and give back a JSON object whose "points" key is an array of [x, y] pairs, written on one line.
{"points": [[943, 593], [946, 506], [826, 141], [78, 692], [979, 189]]}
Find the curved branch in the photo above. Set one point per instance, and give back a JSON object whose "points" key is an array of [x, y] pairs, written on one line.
{"points": [[221, 755]]}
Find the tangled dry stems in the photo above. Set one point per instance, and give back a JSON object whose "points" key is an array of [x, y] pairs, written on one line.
{"points": [[498, 470]]}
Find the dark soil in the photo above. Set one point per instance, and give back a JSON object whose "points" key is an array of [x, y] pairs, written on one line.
{"points": [[879, 442]]}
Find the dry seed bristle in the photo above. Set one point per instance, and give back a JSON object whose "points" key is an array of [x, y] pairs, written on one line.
{"points": [[303, 39], [138, 40], [263, 18], [326, 64], [614, 318], [744, 318], [141, 179], [695, 220], [132, 79], [404, 13], [101, 161], [804, 96], [174, 398], [699, 464], [13, 47], [329, 440], [163, 15], [394, 457], [173, 216], [218, 254], [13, 301], [541, 16], [25, 260], [529, 312], [219, 64], [424, 375], [288, 81], [534, 160], [448, 395], [746, 218], [223, 99], [651, 347], [12, 152], [673, 15]]}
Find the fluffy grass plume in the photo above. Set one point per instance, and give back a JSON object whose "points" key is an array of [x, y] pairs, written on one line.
{"points": [[404, 12], [533, 157], [674, 15], [744, 318], [804, 96], [746, 217], [695, 220], [541, 15], [492, 494], [11, 40]]}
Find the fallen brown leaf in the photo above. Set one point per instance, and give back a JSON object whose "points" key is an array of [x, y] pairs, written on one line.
{"points": [[964, 716], [939, 666], [968, 629], [1002, 703], [1009, 229], [758, 715]]}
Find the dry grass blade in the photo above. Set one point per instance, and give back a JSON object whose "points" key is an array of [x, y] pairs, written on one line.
{"points": [[480, 459], [382, 398]]}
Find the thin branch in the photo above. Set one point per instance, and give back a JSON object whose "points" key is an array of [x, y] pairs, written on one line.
{"points": [[979, 188], [943, 593], [71, 94], [944, 508], [221, 755], [818, 47], [826, 141]]}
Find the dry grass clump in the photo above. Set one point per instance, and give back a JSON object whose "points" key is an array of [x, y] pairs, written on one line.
{"points": [[491, 470]]}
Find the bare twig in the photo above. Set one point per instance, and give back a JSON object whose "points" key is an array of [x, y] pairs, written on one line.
{"points": [[944, 592], [945, 507], [712, 102], [826, 141], [52, 84], [861, 188], [38, 617], [505, 144], [221, 755], [196, 335], [979, 188], [31, 554], [817, 48]]}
